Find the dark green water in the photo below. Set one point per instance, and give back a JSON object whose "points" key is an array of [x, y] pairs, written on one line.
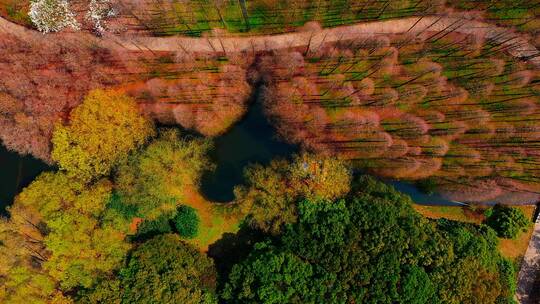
{"points": [[16, 172], [252, 140]]}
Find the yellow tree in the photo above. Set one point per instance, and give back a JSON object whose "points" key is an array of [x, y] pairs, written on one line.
{"points": [[21, 280], [101, 131], [78, 244], [272, 192]]}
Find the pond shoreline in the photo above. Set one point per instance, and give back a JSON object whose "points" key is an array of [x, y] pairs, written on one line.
{"points": [[17, 172]]}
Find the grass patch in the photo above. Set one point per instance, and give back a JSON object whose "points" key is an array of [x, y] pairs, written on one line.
{"points": [[460, 214], [192, 17], [214, 222]]}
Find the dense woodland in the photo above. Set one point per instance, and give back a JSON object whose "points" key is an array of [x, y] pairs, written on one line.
{"points": [[116, 227], [413, 108], [41, 81], [121, 219]]}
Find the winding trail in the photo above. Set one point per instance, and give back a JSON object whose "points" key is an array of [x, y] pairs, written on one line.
{"points": [[504, 38], [529, 272]]}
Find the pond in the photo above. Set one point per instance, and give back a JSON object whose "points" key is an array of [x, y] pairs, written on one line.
{"points": [[253, 140], [16, 172]]}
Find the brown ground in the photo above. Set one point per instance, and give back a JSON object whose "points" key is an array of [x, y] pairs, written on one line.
{"points": [[214, 222]]}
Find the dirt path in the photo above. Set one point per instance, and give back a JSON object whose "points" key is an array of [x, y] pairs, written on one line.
{"points": [[529, 269], [504, 38]]}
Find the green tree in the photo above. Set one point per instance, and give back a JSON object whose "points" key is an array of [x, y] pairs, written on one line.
{"points": [[150, 228], [101, 132], [156, 178], [271, 193], [119, 214], [162, 270], [416, 287], [507, 221], [186, 221], [372, 248], [270, 276]]}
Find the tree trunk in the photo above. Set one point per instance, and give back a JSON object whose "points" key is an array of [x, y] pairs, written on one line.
{"points": [[244, 13]]}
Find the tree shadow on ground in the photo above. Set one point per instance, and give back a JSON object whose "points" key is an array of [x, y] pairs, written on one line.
{"points": [[232, 248]]}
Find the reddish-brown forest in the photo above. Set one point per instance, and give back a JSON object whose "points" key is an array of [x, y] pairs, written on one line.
{"points": [[443, 105], [450, 107], [44, 78], [41, 80], [203, 93]]}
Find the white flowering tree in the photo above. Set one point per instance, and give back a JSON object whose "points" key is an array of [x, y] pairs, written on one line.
{"points": [[52, 15], [98, 11]]}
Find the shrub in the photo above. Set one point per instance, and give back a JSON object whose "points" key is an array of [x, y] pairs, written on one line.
{"points": [[151, 228], [507, 221], [187, 222]]}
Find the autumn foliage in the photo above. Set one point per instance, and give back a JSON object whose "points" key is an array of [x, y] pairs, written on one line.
{"points": [[270, 196], [206, 94], [41, 80], [451, 109], [101, 131], [413, 107], [437, 104], [153, 180], [59, 236]]}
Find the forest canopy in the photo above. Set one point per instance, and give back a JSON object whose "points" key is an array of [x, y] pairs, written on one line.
{"points": [[386, 253], [270, 195], [153, 180], [162, 270]]}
